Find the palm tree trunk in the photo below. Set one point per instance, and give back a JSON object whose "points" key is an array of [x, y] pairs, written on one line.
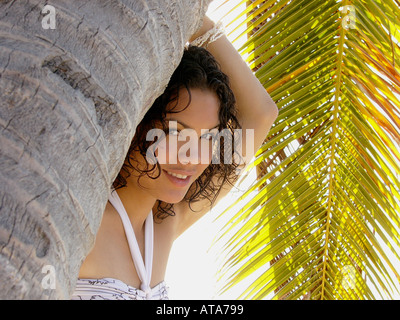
{"points": [[71, 97]]}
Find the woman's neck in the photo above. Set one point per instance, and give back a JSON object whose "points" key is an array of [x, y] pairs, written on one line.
{"points": [[138, 204]]}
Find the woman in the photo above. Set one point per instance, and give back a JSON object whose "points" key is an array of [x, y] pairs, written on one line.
{"points": [[130, 255]]}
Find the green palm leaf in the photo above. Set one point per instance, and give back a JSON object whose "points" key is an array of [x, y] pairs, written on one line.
{"points": [[322, 219]]}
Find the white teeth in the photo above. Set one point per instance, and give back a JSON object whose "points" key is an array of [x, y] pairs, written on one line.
{"points": [[180, 176]]}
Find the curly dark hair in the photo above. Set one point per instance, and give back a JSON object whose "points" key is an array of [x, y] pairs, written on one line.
{"points": [[197, 69]]}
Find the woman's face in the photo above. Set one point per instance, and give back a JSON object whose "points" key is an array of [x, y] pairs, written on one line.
{"points": [[186, 151]]}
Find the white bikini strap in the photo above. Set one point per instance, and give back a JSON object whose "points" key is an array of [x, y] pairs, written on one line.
{"points": [[145, 268]]}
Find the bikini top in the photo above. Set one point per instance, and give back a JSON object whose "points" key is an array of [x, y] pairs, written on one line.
{"points": [[113, 288]]}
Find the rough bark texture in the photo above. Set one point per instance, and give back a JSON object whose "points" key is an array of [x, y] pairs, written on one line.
{"points": [[71, 98]]}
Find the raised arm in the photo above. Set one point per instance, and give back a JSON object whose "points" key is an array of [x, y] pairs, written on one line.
{"points": [[256, 110]]}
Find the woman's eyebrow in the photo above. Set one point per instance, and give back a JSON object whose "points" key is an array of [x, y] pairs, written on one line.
{"points": [[187, 126]]}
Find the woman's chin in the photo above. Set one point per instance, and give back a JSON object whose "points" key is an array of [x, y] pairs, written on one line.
{"points": [[173, 198]]}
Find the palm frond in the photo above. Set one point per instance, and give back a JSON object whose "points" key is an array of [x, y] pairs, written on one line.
{"points": [[324, 222]]}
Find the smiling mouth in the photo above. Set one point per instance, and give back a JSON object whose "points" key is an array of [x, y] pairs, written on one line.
{"points": [[180, 176], [179, 180]]}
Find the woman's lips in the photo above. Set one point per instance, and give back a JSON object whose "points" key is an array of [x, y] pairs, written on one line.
{"points": [[179, 182]]}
